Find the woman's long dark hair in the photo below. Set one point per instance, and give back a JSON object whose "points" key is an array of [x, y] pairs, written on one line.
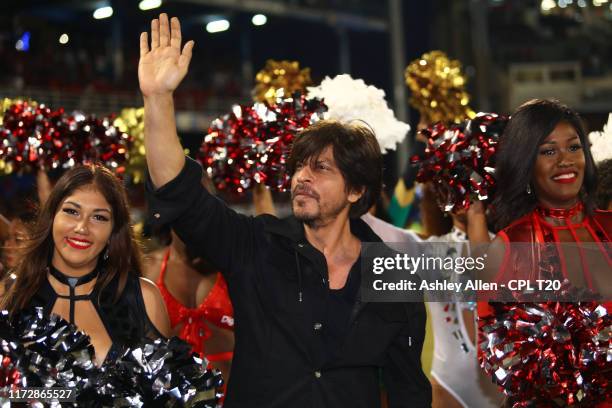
{"points": [[123, 259], [528, 127]]}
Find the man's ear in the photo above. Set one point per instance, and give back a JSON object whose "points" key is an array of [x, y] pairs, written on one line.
{"points": [[356, 194]]}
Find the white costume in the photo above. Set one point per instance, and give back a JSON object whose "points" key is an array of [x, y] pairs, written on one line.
{"points": [[455, 364]]}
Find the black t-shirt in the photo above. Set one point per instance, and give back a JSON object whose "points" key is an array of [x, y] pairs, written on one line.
{"points": [[341, 303]]}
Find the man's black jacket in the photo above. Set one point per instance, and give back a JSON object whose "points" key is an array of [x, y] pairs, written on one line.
{"points": [[279, 357]]}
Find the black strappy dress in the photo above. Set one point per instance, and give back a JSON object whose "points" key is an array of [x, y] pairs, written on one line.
{"points": [[125, 320]]}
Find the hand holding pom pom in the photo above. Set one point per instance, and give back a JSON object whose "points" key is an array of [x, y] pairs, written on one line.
{"points": [[460, 160]]}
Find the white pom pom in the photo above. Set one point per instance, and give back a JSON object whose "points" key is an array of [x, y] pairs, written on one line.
{"points": [[351, 99], [601, 142]]}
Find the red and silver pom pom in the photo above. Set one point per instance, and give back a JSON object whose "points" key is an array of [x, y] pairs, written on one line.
{"points": [[460, 159], [548, 354], [35, 137], [251, 144]]}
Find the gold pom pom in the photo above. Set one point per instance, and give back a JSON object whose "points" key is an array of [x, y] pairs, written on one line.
{"points": [[277, 75], [131, 121], [438, 88]]}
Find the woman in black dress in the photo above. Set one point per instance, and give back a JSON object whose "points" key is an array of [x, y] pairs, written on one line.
{"points": [[83, 264]]}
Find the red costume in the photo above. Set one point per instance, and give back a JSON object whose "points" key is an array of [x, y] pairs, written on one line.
{"points": [[216, 309], [541, 261], [522, 262]]}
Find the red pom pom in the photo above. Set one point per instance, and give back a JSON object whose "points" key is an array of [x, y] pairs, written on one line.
{"points": [[29, 135], [88, 139], [548, 354], [9, 375], [251, 144], [37, 137], [460, 159]]}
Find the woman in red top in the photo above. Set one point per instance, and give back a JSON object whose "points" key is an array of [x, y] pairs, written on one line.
{"points": [[546, 190], [549, 196], [197, 300]]}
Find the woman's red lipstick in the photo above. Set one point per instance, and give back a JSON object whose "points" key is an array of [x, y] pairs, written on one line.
{"points": [[77, 243], [565, 178]]}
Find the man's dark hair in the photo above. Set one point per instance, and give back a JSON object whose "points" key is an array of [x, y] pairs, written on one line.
{"points": [[528, 127], [604, 187], [356, 152]]}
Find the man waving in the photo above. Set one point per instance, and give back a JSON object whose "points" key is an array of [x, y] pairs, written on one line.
{"points": [[304, 337]]}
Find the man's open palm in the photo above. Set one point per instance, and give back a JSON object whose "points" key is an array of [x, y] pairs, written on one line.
{"points": [[163, 66]]}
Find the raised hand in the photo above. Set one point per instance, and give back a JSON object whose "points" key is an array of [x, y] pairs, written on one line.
{"points": [[476, 209], [163, 66]]}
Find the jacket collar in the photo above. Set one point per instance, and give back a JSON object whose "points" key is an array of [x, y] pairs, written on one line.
{"points": [[293, 229]]}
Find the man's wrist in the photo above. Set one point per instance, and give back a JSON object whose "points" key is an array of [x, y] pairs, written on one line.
{"points": [[159, 98]]}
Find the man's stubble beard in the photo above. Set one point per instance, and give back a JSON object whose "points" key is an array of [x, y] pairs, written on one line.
{"points": [[303, 216], [319, 219]]}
